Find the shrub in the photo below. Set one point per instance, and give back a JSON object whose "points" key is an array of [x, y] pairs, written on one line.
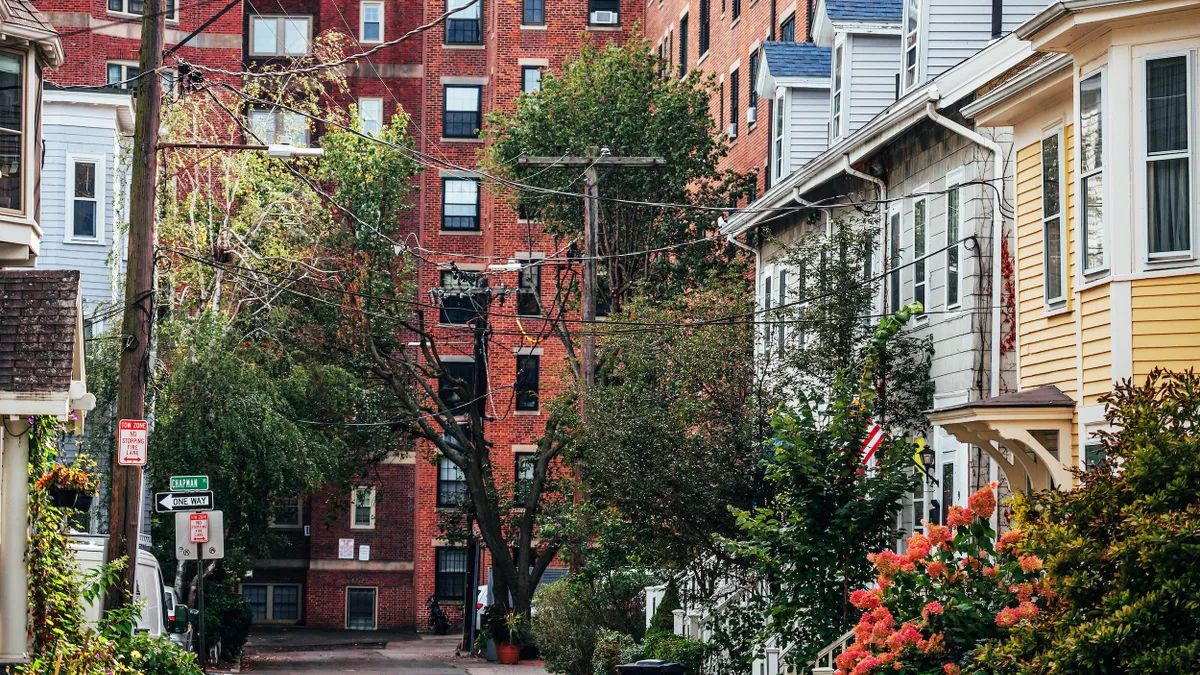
{"points": [[677, 649], [663, 620], [563, 629], [610, 645], [227, 617], [633, 653]]}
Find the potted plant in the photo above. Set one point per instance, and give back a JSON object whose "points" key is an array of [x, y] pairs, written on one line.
{"points": [[71, 487], [509, 651]]}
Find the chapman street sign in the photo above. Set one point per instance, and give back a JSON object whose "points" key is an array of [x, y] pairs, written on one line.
{"points": [[188, 483]]}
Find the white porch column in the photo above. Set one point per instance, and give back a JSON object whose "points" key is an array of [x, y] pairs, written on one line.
{"points": [[14, 532]]}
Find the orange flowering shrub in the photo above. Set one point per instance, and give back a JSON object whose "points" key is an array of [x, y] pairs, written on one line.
{"points": [[956, 587]]}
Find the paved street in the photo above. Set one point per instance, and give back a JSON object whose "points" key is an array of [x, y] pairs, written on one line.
{"points": [[366, 653]]}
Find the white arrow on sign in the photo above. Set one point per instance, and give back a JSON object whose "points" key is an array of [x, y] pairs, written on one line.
{"points": [[184, 501]]}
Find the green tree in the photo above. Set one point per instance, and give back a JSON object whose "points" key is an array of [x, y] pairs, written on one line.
{"points": [[1120, 551]]}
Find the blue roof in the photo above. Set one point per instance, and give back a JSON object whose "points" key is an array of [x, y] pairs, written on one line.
{"points": [[864, 10], [797, 59]]}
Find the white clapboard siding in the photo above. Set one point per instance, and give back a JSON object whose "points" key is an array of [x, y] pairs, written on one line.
{"points": [[873, 68]]}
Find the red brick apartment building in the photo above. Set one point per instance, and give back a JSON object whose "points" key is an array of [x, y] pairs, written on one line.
{"points": [[376, 565]]}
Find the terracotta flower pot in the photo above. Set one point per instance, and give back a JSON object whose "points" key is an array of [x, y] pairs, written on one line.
{"points": [[507, 654]]}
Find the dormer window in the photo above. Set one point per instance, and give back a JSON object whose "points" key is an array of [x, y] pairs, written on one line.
{"points": [[835, 126], [912, 46], [779, 136]]}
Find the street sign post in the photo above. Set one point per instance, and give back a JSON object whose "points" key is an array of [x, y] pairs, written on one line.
{"points": [[132, 439], [189, 483], [175, 502]]}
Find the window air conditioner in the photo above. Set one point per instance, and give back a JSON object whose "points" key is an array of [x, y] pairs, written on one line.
{"points": [[604, 18], [752, 115], [733, 129]]}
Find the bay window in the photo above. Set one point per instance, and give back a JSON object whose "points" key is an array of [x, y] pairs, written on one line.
{"points": [[1091, 171], [1168, 157], [12, 130], [1053, 241]]}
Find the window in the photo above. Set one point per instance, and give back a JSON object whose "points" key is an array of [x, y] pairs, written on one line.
{"points": [[604, 12], [531, 79], [1091, 169], [752, 89], [370, 115], [463, 27], [527, 382], [1168, 157], [85, 198], [524, 464], [918, 504], [529, 281], [362, 511], [460, 204], [360, 608], [1094, 456], [460, 111], [683, 45], [279, 127], [736, 9], [920, 231], [451, 484], [121, 73], [894, 300], [703, 26], [257, 597], [835, 126], [135, 7], [370, 27], [460, 297], [912, 45], [456, 384], [947, 491], [451, 579], [787, 29], [779, 163], [12, 130], [767, 314], [735, 105], [273, 602], [781, 327], [953, 218], [1053, 241], [279, 35], [287, 513], [534, 12]]}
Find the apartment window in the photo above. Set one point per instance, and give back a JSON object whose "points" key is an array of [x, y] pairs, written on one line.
{"points": [[362, 512], [256, 595], [279, 127], [120, 74], [460, 111], [953, 218], [527, 381], [721, 105], [920, 231], [273, 602], [287, 513], [524, 464], [1168, 157], [529, 281], [451, 484], [534, 12], [460, 204], [735, 88], [779, 163], [683, 45], [12, 130], [279, 35], [1053, 241], [1091, 169], [704, 26], [456, 385], [85, 198], [736, 9], [451, 578], [370, 27], [768, 315], [912, 44], [361, 608], [752, 89], [781, 327], [835, 127], [464, 25], [531, 79], [370, 115], [787, 29], [135, 7], [460, 297], [604, 12], [894, 261]]}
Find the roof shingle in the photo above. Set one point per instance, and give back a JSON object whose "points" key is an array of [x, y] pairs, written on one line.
{"points": [[864, 10], [38, 318], [796, 59]]}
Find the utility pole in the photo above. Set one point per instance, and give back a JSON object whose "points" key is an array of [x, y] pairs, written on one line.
{"points": [[480, 389], [596, 157], [125, 509]]}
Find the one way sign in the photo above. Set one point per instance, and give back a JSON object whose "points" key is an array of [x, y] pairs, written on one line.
{"points": [[174, 502]]}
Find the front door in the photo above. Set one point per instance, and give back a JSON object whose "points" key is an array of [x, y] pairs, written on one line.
{"points": [[360, 608]]}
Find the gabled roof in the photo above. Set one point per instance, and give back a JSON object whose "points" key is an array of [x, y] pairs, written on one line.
{"points": [[864, 10], [1045, 396], [19, 18], [797, 59]]}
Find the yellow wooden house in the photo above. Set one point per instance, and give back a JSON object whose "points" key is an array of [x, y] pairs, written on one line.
{"points": [[1106, 260]]}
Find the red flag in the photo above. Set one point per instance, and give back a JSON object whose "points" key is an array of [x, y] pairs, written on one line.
{"points": [[871, 443]]}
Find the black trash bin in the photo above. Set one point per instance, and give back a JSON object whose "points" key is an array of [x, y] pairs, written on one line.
{"points": [[651, 667]]}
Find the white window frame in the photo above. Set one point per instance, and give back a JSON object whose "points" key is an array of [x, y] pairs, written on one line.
{"points": [[125, 66], [375, 102], [767, 303], [278, 115], [100, 198], [954, 186], [362, 21], [1145, 159], [1057, 301], [905, 85], [838, 89], [299, 518], [779, 135], [280, 35], [346, 600], [172, 7], [354, 493], [894, 253], [1085, 271], [923, 265], [782, 297]]}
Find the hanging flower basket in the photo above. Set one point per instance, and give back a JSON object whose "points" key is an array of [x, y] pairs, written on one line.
{"points": [[69, 487], [70, 498]]}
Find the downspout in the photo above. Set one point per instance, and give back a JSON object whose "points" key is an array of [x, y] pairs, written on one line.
{"points": [[883, 216], [997, 230]]}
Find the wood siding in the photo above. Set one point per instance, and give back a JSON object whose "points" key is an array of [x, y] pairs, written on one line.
{"points": [[808, 125], [873, 70], [1166, 323]]}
